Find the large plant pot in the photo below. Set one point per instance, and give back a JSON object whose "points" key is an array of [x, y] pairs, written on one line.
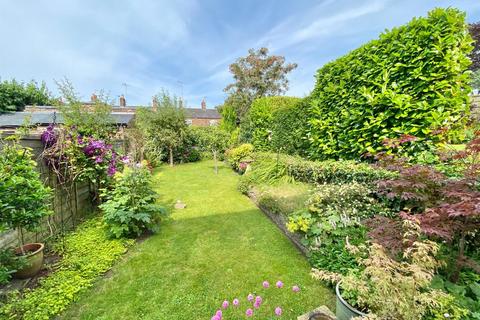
{"points": [[34, 257], [344, 311]]}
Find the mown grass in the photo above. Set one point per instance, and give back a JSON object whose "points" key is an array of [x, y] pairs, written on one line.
{"points": [[220, 247]]}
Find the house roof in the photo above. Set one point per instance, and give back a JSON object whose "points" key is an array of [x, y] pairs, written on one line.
{"points": [[45, 115], [197, 113]]}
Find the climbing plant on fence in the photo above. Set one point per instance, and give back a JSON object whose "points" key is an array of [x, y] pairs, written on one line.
{"points": [[411, 80]]}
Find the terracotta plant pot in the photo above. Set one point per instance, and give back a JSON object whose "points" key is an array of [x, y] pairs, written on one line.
{"points": [[344, 311], [34, 257]]}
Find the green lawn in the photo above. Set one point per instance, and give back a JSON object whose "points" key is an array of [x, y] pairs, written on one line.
{"points": [[220, 247]]}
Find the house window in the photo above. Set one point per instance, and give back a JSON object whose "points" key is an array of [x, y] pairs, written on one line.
{"points": [[189, 122], [212, 122]]}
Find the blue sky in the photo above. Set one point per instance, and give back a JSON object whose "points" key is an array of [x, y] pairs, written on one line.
{"points": [[155, 44]]}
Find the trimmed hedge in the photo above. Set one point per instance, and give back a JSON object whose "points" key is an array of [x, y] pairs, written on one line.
{"points": [[261, 120], [411, 80], [331, 171]]}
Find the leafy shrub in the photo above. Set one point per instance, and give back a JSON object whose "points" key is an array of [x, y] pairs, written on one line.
{"points": [[257, 126], [130, 208], [332, 255], [24, 199], [289, 128], [241, 153], [9, 264], [411, 80], [334, 207], [386, 287], [87, 253], [14, 95]]}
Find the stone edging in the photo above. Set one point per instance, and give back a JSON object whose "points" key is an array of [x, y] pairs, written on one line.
{"points": [[280, 221]]}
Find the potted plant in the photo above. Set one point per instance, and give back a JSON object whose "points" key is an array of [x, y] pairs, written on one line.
{"points": [[23, 201], [387, 288]]}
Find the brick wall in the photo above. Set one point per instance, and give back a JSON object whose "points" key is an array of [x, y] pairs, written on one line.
{"points": [[203, 122], [70, 203]]}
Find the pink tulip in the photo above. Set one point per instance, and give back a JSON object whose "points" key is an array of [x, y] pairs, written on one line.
{"points": [[249, 312], [225, 304], [266, 284], [295, 288], [236, 302], [279, 284], [278, 311]]}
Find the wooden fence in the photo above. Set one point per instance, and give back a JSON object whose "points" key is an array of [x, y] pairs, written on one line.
{"points": [[70, 204], [475, 109]]}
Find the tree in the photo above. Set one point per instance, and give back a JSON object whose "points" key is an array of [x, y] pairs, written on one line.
{"points": [[256, 75], [212, 139], [164, 127], [14, 95], [89, 120], [474, 29]]}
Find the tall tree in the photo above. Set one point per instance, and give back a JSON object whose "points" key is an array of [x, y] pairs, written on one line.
{"points": [[256, 75], [475, 55]]}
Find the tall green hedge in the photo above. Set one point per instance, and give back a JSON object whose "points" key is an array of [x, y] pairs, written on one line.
{"points": [[411, 80], [261, 120]]}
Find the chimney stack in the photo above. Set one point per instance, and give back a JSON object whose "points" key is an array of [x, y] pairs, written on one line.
{"points": [[123, 102], [204, 104], [93, 98]]}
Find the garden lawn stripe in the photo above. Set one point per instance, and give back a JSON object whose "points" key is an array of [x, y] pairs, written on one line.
{"points": [[219, 247]]}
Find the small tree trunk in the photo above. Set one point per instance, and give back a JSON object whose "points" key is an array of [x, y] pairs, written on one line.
{"points": [[461, 252], [171, 156], [215, 161], [21, 241]]}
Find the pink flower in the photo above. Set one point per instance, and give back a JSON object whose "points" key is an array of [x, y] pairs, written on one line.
{"points": [[249, 312], [295, 288], [250, 297], [225, 304], [258, 299], [216, 318], [278, 311], [279, 284], [236, 302], [266, 284], [256, 305], [219, 314]]}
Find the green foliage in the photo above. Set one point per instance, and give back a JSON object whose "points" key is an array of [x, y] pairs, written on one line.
{"points": [[87, 253], [332, 254], [476, 80], [9, 264], [330, 171], [24, 199], [14, 95], [465, 293], [257, 126], [241, 153], [229, 117], [289, 128], [283, 198], [130, 208], [384, 287], [164, 128], [412, 80], [334, 207], [93, 120], [213, 140], [256, 75]]}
